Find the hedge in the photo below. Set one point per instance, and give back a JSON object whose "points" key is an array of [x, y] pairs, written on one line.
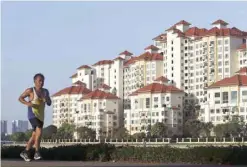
{"points": [[105, 152]]}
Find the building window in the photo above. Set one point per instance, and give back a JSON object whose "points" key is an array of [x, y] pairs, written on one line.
{"points": [[212, 119], [244, 96], [241, 109], [218, 118], [234, 97], [156, 99], [225, 97], [147, 102]]}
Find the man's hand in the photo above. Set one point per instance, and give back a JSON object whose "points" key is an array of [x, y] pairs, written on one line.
{"points": [[29, 104], [47, 98]]}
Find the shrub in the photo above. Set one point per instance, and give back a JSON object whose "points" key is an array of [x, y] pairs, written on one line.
{"points": [[105, 152]]}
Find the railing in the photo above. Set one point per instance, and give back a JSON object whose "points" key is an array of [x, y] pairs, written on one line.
{"points": [[156, 141]]}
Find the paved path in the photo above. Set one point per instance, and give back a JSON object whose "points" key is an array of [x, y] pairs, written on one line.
{"points": [[20, 163]]}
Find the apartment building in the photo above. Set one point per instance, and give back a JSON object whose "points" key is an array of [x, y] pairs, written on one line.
{"points": [[192, 58], [65, 103], [155, 102], [227, 98], [195, 58], [100, 111], [242, 55], [140, 71]]}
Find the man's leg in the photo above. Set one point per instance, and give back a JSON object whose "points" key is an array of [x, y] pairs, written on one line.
{"points": [[30, 142], [26, 153], [38, 134]]}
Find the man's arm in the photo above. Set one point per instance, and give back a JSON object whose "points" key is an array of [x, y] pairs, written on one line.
{"points": [[47, 97], [25, 94]]}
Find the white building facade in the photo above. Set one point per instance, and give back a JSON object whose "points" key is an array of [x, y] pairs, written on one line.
{"points": [[156, 102], [227, 98], [65, 103], [192, 58], [195, 58], [100, 111]]}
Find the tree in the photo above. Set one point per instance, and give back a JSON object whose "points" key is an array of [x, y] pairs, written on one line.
{"points": [[86, 133], [219, 130], [206, 129], [139, 136], [49, 132], [18, 136], [196, 128], [191, 111], [234, 128], [66, 131], [5, 137], [121, 133], [158, 130]]}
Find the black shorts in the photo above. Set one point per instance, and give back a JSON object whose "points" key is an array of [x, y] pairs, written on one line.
{"points": [[35, 122]]}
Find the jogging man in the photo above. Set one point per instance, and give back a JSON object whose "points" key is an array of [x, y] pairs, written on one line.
{"points": [[37, 98]]}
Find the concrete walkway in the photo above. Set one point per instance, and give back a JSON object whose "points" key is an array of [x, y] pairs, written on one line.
{"points": [[20, 163]]}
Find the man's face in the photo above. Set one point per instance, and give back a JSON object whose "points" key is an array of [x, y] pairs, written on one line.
{"points": [[39, 82]]}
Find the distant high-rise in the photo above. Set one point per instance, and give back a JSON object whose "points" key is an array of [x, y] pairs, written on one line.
{"points": [[19, 126], [4, 126]]}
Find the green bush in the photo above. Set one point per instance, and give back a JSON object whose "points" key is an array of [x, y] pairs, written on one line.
{"points": [[106, 152]]}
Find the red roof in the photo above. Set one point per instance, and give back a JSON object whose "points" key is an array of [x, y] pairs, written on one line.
{"points": [[74, 75], [161, 37], [225, 32], [119, 58], [103, 62], [162, 79], [127, 53], [79, 83], [242, 70], [104, 86], [73, 90], [236, 80], [182, 22], [220, 22], [157, 88], [84, 66], [152, 47], [99, 94], [147, 56], [180, 33], [195, 31], [242, 47]]}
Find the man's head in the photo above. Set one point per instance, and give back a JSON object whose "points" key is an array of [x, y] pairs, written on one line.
{"points": [[39, 80]]}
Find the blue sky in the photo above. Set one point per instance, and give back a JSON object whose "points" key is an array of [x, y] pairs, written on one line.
{"points": [[55, 38]]}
